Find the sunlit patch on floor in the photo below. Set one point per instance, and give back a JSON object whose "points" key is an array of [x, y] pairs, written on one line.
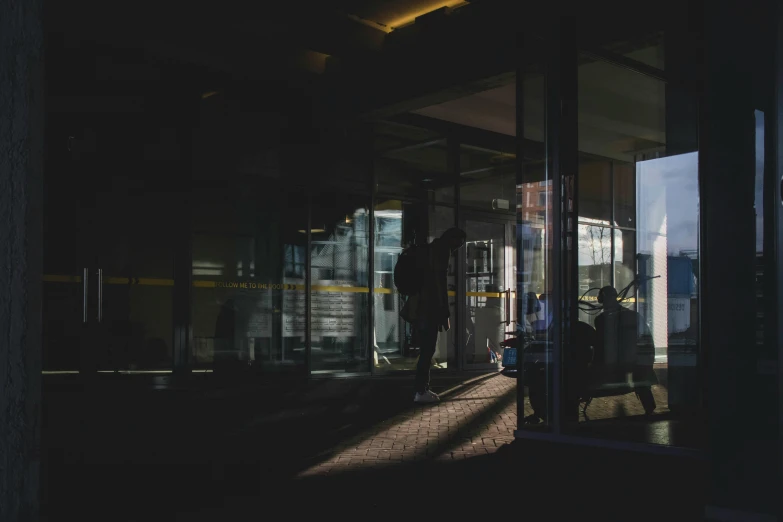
{"points": [[466, 423]]}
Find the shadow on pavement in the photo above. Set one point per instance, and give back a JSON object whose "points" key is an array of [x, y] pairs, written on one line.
{"points": [[130, 453], [123, 454], [524, 481]]}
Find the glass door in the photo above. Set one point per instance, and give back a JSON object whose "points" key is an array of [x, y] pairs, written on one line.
{"points": [[67, 217], [108, 262], [489, 290], [133, 238]]}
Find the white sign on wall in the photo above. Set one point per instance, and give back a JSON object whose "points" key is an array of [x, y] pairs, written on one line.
{"points": [[679, 314]]}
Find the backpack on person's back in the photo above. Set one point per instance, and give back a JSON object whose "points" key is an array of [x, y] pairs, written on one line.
{"points": [[410, 275], [411, 269]]}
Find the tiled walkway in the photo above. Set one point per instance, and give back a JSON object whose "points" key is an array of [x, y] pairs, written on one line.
{"points": [[342, 445], [468, 421]]}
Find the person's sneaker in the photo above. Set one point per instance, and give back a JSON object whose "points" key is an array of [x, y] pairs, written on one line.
{"points": [[425, 397], [430, 392]]}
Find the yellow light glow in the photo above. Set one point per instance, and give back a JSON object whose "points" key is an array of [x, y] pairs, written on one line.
{"points": [[434, 6], [314, 231], [208, 94]]}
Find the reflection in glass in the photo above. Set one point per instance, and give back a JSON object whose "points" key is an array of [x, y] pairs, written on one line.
{"points": [[488, 275], [339, 262], [637, 264], [595, 262], [667, 253], [248, 296]]}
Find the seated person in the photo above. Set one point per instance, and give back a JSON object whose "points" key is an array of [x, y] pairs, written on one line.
{"points": [[575, 374], [623, 349]]}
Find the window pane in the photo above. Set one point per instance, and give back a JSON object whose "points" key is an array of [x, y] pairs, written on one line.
{"points": [[667, 253], [340, 291], [595, 264], [248, 277], [638, 284]]}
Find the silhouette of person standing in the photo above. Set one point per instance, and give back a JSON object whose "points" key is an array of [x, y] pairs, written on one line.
{"points": [[428, 311]]}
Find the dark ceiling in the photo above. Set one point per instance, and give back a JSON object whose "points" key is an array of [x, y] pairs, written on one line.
{"points": [[375, 52], [248, 38], [254, 38]]}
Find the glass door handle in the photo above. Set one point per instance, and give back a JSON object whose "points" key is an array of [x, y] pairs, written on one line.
{"points": [[100, 295], [85, 278], [508, 306]]}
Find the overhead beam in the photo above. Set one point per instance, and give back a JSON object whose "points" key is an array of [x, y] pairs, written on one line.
{"points": [[472, 136]]}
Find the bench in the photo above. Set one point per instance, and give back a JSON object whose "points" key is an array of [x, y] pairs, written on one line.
{"points": [[612, 389]]}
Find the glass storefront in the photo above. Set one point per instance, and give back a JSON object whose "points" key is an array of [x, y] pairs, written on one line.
{"points": [[597, 172], [576, 180]]}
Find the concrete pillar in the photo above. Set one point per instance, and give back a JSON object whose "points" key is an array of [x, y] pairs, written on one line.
{"points": [[741, 486], [21, 172]]}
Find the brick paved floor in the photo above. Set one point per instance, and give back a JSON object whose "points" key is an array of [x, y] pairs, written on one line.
{"points": [[334, 442], [466, 423], [625, 405]]}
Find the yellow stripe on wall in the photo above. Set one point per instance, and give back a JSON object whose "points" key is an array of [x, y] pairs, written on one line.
{"points": [[62, 279], [143, 281], [349, 289], [253, 285]]}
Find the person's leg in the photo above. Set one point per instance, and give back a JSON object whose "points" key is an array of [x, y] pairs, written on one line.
{"points": [[645, 376], [428, 337], [536, 387], [646, 398]]}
